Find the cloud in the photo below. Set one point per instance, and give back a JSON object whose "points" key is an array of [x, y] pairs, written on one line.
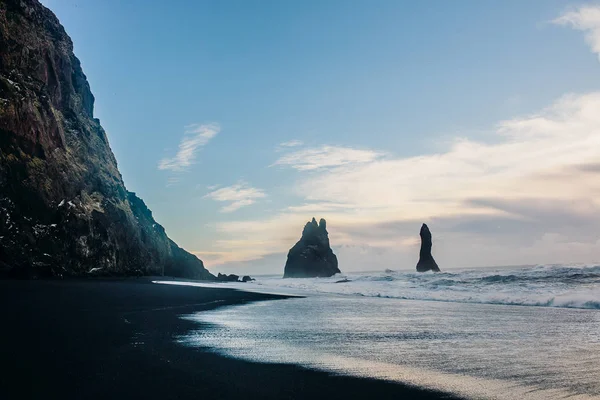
{"points": [[195, 136], [318, 207], [291, 143], [238, 195], [326, 157], [538, 177], [172, 181], [586, 19], [212, 258], [528, 150], [593, 168], [531, 195]]}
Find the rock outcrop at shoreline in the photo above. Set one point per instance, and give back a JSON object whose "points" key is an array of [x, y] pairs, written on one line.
{"points": [[64, 209], [312, 255], [228, 278], [426, 261], [233, 278]]}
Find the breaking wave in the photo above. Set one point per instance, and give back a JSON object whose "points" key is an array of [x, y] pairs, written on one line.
{"points": [[544, 285]]}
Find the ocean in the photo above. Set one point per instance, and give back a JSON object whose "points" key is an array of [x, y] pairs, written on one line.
{"points": [[493, 333]]}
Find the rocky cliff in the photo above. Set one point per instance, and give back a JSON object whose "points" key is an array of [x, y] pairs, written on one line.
{"points": [[426, 261], [64, 209], [312, 256]]}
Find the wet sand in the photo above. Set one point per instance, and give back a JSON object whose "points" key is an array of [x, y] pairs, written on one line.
{"points": [[102, 339]]}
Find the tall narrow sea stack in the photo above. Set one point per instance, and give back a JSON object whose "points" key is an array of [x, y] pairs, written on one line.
{"points": [[64, 209], [312, 256], [426, 261]]}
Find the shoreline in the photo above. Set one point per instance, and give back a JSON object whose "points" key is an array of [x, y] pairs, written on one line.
{"points": [[115, 339]]}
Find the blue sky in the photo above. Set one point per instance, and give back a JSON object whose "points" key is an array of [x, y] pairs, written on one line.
{"points": [[238, 121]]}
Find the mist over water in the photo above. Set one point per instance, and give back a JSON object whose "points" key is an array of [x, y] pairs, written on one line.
{"points": [[509, 333]]}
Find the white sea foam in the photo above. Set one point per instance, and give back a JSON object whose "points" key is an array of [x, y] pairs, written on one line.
{"points": [[546, 286], [478, 351], [459, 332]]}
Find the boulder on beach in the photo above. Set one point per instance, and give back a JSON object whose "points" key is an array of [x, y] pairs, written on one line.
{"points": [[426, 261], [312, 256], [233, 278], [228, 278]]}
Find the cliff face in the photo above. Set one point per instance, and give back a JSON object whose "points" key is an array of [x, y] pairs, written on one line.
{"points": [[64, 209], [312, 256], [426, 261]]}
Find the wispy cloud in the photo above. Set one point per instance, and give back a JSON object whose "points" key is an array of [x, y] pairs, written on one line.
{"points": [[291, 143], [524, 163], [195, 136], [326, 157], [538, 181], [172, 181], [530, 196], [239, 195], [586, 19]]}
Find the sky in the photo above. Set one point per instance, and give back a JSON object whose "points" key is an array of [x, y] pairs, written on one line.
{"points": [[237, 121]]}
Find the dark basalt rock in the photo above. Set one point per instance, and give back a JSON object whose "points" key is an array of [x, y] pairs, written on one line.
{"points": [[228, 278], [247, 278], [345, 280], [64, 210], [312, 256], [426, 261]]}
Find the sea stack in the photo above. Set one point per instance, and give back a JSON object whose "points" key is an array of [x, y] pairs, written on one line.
{"points": [[64, 209], [426, 261], [312, 256]]}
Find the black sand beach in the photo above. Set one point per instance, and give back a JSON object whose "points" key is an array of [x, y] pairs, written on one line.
{"points": [[113, 339]]}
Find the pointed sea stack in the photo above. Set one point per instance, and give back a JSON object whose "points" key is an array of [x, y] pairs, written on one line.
{"points": [[312, 256], [426, 261]]}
